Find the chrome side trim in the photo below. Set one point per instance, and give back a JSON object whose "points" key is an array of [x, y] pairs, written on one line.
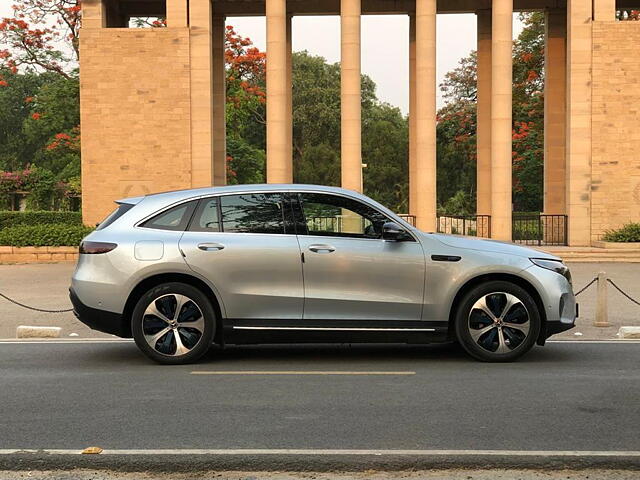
{"points": [[341, 329]]}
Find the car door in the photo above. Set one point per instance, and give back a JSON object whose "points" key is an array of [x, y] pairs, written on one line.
{"points": [[244, 244], [350, 273]]}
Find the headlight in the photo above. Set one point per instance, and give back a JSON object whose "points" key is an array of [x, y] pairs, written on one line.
{"points": [[555, 265]]}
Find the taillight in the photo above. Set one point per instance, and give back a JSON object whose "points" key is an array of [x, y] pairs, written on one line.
{"points": [[93, 248]]}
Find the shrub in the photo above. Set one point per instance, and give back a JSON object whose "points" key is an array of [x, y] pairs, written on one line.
{"points": [[628, 233], [14, 219], [54, 235]]}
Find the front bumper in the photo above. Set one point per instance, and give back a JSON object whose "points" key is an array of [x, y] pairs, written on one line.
{"points": [[100, 320]]}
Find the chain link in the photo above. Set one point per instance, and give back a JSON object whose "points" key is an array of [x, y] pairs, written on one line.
{"points": [[623, 292], [43, 310], [586, 286]]}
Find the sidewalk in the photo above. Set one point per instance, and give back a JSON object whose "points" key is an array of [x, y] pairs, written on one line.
{"points": [[46, 286]]}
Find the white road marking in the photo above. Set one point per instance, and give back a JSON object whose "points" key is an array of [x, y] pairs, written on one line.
{"points": [[9, 341], [321, 452], [296, 372]]}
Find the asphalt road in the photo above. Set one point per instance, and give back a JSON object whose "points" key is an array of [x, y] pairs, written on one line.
{"points": [[561, 398]]}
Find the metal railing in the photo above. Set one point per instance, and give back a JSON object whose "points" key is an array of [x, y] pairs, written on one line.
{"points": [[472, 225], [543, 229]]}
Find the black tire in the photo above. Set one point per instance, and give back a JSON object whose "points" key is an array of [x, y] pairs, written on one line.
{"points": [[194, 325], [488, 338]]}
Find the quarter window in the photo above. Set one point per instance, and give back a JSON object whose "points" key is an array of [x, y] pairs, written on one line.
{"points": [[206, 218], [176, 218], [336, 216], [253, 213]]}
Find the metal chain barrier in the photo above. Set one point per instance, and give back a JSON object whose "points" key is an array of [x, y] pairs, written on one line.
{"points": [[623, 292], [595, 279], [43, 310]]}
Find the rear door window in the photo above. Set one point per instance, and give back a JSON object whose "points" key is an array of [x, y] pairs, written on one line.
{"points": [[254, 213]]}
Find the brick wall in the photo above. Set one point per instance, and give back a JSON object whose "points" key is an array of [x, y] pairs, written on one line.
{"points": [[135, 110], [615, 126]]}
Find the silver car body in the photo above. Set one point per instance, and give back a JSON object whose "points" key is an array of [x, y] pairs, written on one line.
{"points": [[258, 279]]}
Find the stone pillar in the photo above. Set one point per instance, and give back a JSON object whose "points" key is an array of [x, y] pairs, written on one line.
{"points": [[176, 13], [604, 10], [413, 188], [501, 118], [289, 94], [425, 115], [483, 132], [578, 147], [201, 54], [350, 124], [219, 103], [277, 137], [93, 14], [555, 111]]}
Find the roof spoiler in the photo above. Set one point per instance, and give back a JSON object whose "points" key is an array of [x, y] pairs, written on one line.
{"points": [[129, 201]]}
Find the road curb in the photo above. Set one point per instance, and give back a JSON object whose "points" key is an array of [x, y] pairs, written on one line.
{"points": [[25, 331]]}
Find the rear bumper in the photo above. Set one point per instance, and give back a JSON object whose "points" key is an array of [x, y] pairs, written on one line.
{"points": [[100, 320]]}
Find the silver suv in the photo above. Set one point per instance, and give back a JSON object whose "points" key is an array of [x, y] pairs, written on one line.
{"points": [[182, 270]]}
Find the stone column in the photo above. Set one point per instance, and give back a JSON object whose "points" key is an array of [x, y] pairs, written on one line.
{"points": [[501, 118], [219, 103], [604, 10], [483, 132], [413, 188], [176, 13], [425, 115], [350, 124], [277, 137], [289, 93], [201, 54], [93, 14], [578, 154], [555, 111]]}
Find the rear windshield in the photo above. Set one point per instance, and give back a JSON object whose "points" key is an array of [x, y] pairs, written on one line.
{"points": [[113, 216]]}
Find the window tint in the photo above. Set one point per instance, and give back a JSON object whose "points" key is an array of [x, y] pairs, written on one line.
{"points": [[176, 218], [206, 218], [253, 213], [113, 216], [336, 216]]}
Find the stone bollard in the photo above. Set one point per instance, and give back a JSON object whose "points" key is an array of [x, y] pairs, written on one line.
{"points": [[602, 312]]}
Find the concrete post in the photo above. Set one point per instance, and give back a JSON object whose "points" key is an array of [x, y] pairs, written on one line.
{"points": [[277, 160], [602, 311], [578, 146], [604, 10], [201, 53], [501, 119], [351, 127], [289, 95], [176, 13], [425, 117], [555, 111], [483, 133], [413, 187], [93, 14], [219, 103]]}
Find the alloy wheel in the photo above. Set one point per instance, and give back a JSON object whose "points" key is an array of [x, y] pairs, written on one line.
{"points": [[173, 324], [499, 322]]}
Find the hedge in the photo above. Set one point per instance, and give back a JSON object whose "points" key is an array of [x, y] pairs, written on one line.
{"points": [[628, 233], [55, 235], [34, 218]]}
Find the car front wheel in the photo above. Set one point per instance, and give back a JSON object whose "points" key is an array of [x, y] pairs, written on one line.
{"points": [[497, 321], [173, 323]]}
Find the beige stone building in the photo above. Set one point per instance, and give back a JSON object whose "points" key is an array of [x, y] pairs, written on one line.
{"points": [[152, 102]]}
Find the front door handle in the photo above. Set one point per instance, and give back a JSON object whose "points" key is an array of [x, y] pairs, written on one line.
{"points": [[210, 247], [322, 248]]}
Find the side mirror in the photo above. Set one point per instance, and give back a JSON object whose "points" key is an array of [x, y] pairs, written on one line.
{"points": [[392, 232]]}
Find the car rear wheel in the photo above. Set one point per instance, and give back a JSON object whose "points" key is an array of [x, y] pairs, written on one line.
{"points": [[497, 321], [173, 323]]}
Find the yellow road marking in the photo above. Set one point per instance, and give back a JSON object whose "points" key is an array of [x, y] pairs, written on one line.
{"points": [[295, 372]]}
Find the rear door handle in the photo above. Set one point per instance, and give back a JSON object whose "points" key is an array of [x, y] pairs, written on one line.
{"points": [[210, 247], [322, 248]]}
